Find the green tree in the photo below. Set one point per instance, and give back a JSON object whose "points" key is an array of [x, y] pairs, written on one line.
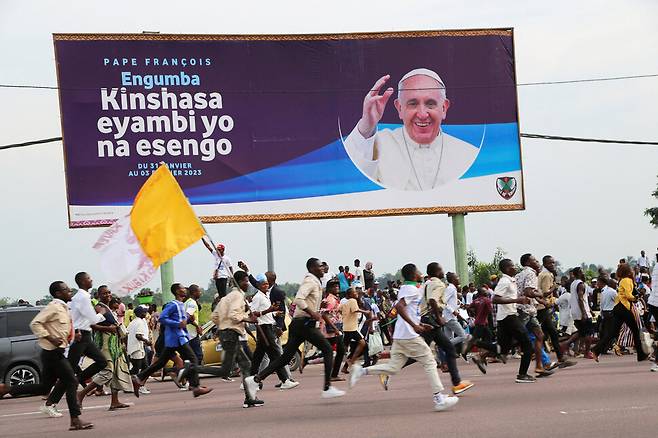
{"points": [[383, 279], [289, 288], [481, 272], [652, 212]]}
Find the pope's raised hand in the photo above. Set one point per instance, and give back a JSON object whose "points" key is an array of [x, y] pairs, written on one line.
{"points": [[374, 105]]}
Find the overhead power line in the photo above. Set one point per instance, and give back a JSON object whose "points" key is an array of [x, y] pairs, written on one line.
{"points": [[333, 90], [30, 143], [591, 140], [536, 136]]}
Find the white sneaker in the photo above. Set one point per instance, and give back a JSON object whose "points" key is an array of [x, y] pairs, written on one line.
{"points": [[333, 392], [51, 411], [251, 386], [289, 384], [356, 373], [654, 368], [144, 390], [444, 402], [185, 387]]}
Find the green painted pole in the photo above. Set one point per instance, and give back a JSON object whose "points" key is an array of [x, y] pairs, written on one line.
{"points": [[459, 239], [166, 280]]}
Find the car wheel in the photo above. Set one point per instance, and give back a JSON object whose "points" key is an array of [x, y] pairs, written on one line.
{"points": [[295, 361], [22, 375]]}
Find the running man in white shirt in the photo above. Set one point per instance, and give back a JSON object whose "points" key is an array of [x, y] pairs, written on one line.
{"points": [[407, 341], [84, 316], [138, 336], [510, 326]]}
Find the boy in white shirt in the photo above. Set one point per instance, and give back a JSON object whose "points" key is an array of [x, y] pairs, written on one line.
{"points": [[138, 336], [407, 342]]}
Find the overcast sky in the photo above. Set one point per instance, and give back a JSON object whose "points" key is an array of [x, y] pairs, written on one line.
{"points": [[584, 201]]}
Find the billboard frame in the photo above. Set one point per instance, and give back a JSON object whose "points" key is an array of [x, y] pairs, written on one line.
{"points": [[299, 37]]}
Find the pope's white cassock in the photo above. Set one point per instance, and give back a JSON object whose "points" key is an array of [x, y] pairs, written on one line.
{"points": [[402, 164]]}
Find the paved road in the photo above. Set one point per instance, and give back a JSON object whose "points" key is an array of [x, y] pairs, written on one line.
{"points": [[613, 398]]}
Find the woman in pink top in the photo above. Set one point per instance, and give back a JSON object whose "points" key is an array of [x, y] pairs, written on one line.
{"points": [[329, 306]]}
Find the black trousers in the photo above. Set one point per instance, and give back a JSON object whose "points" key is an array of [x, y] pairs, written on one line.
{"points": [[340, 353], [138, 365], [441, 340], [607, 326], [545, 318], [56, 368], [221, 284], [168, 353], [620, 316], [85, 347], [512, 329], [299, 331], [266, 344], [230, 341], [195, 344]]}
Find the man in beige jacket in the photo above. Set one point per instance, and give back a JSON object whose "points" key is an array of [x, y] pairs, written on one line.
{"points": [[304, 328], [54, 328], [230, 316]]}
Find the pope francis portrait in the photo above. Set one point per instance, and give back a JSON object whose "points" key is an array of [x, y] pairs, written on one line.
{"points": [[419, 155]]}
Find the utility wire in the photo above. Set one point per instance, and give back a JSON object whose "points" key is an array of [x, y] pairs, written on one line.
{"points": [[536, 136], [328, 90], [30, 143], [592, 140]]}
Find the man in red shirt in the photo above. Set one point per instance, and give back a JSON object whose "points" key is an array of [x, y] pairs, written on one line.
{"points": [[482, 306]]}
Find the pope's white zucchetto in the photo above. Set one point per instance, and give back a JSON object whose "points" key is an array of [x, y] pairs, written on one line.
{"points": [[421, 72]]}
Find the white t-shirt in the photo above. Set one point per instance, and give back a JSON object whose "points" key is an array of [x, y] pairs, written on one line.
{"points": [[136, 347], [259, 303], [643, 262], [469, 297], [191, 308], [506, 288], [565, 309], [358, 276], [653, 298], [222, 264], [326, 278], [452, 304], [573, 302], [412, 297]]}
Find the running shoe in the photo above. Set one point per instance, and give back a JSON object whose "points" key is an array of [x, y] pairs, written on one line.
{"points": [[356, 374], [383, 379], [332, 392], [289, 384], [551, 366], [144, 390], [255, 403], [654, 368], [463, 386], [566, 364], [50, 410], [227, 379], [543, 373], [525, 378], [443, 402]]}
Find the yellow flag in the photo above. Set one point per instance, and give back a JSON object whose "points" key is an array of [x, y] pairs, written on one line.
{"points": [[162, 219]]}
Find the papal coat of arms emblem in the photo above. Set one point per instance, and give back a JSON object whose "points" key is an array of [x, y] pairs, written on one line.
{"points": [[506, 186]]}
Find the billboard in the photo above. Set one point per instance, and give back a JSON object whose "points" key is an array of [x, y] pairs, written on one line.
{"points": [[284, 127]]}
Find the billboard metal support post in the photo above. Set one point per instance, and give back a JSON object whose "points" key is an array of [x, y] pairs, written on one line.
{"points": [[270, 246], [166, 280], [459, 239]]}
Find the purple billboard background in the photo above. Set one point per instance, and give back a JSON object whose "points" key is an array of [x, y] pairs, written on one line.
{"points": [[285, 97]]}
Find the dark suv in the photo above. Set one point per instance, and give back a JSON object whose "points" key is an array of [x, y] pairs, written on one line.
{"points": [[19, 353]]}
